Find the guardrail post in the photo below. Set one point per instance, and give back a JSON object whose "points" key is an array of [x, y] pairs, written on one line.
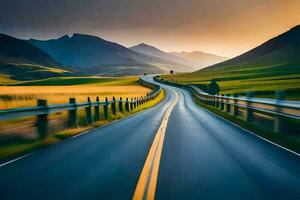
{"points": [[120, 105], [222, 102], [127, 105], [228, 107], [113, 106], [214, 101], [208, 100], [88, 111], [279, 120], [72, 114], [235, 106], [105, 108], [42, 120], [249, 110], [217, 102], [97, 110]]}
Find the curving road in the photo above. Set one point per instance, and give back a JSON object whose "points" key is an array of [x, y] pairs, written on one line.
{"points": [[175, 150]]}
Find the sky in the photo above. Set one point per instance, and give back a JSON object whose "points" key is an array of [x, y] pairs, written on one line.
{"points": [[223, 27]]}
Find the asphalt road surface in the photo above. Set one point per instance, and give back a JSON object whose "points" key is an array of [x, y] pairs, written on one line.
{"points": [[175, 150]]}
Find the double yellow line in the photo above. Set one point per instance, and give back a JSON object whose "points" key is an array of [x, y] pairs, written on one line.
{"points": [[146, 185]]}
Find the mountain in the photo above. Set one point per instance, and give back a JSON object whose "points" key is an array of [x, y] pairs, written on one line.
{"points": [[155, 52], [20, 60], [280, 54], [200, 58], [94, 55]]}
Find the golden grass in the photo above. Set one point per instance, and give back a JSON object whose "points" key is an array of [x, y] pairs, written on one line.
{"points": [[24, 96], [23, 147]]}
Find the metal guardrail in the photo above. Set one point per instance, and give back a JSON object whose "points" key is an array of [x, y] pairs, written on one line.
{"points": [[42, 110], [279, 108]]}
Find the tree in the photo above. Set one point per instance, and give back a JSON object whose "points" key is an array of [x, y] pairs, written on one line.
{"points": [[213, 87]]}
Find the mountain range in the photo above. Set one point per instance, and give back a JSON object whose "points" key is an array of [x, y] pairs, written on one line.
{"points": [[82, 54], [94, 55], [90, 55]]}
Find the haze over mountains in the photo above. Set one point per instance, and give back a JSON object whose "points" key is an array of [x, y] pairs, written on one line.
{"points": [[201, 59], [155, 52]]}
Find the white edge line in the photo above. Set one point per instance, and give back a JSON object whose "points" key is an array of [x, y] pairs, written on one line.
{"points": [[289, 150], [284, 148], [19, 158]]}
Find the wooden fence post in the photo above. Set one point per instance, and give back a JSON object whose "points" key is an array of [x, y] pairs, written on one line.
{"points": [[72, 114], [134, 104], [143, 100], [279, 120], [105, 108], [120, 105], [228, 107], [127, 105], [97, 110], [88, 111], [42, 120], [113, 106], [235, 106], [249, 114], [131, 104]]}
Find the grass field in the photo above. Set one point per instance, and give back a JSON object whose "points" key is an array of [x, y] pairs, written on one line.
{"points": [[59, 90], [244, 79], [24, 144], [19, 135]]}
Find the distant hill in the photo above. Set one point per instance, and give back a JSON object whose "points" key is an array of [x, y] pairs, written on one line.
{"points": [[281, 54], [202, 59], [20, 60], [94, 55], [155, 52]]}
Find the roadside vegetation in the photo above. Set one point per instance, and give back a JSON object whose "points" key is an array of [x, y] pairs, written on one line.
{"points": [[262, 80], [19, 135], [59, 90], [288, 140]]}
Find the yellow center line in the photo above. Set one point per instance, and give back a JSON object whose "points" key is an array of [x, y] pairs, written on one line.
{"points": [[146, 185]]}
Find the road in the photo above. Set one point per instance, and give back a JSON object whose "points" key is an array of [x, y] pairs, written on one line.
{"points": [[175, 150]]}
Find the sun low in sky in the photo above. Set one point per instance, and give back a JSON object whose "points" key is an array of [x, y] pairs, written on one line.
{"points": [[224, 27]]}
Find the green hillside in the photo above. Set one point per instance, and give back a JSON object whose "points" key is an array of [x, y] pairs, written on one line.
{"points": [[22, 61], [58, 81], [274, 65]]}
